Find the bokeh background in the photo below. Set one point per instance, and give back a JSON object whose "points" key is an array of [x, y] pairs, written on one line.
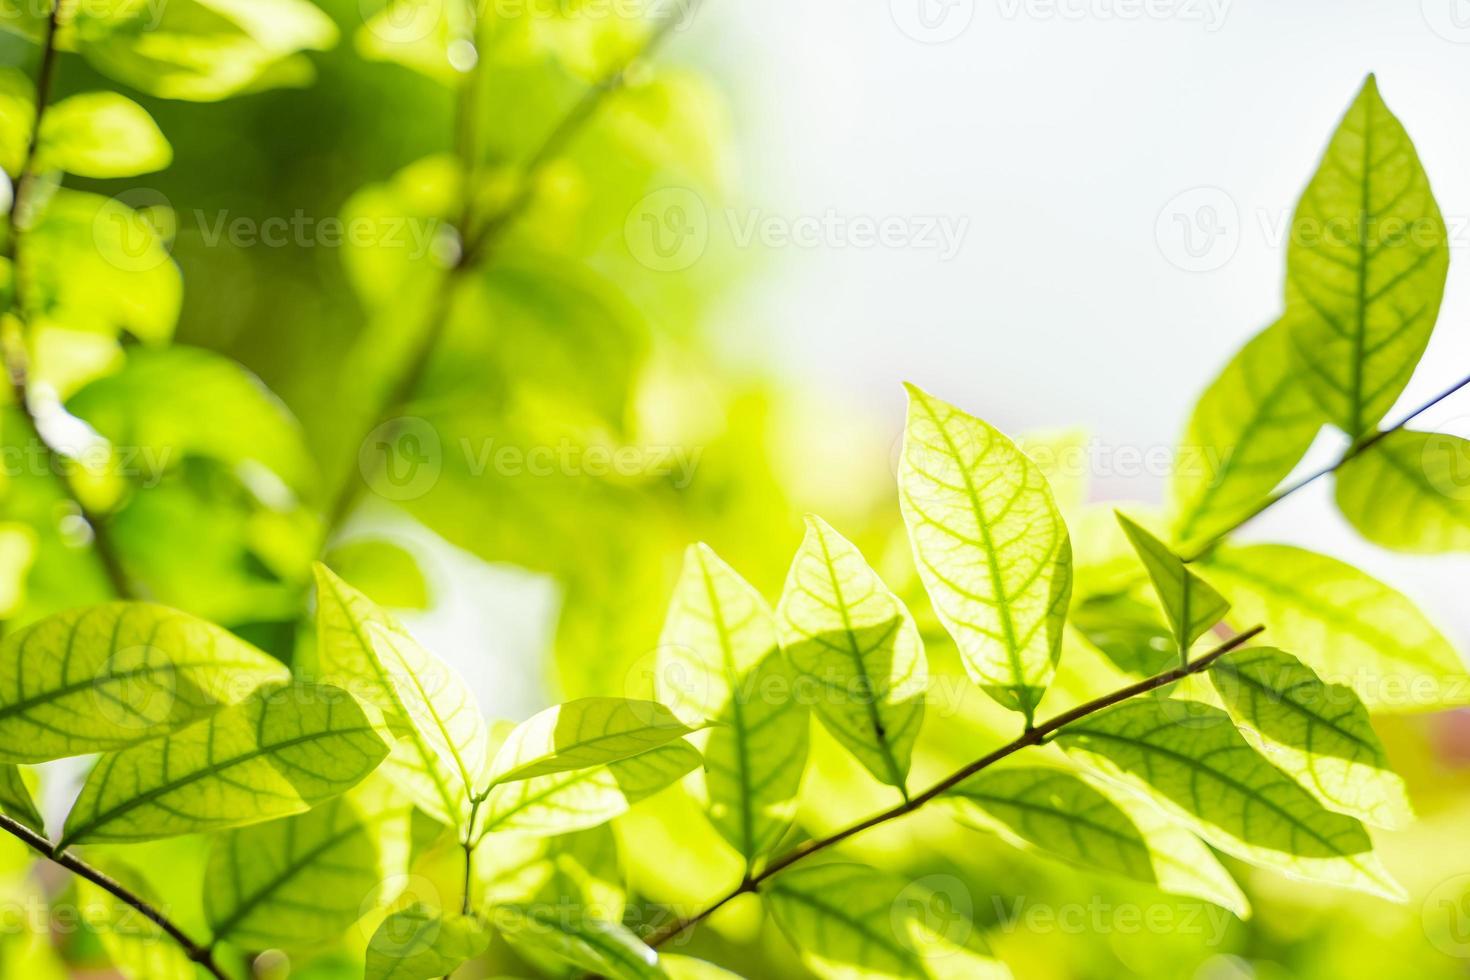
{"points": [[1061, 214]]}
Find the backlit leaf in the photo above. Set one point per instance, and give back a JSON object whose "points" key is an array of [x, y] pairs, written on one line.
{"points": [[1190, 604], [1316, 733], [281, 751], [1410, 491], [1058, 813], [1189, 757], [990, 547], [101, 134], [719, 660], [857, 646], [580, 867], [1347, 626], [604, 948], [584, 733], [15, 798], [105, 677], [1248, 431], [138, 948], [383, 571], [851, 921], [420, 942], [1365, 266]]}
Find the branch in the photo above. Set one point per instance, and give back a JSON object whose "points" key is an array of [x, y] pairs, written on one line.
{"points": [[1357, 449], [203, 955], [479, 244], [1032, 736], [14, 354]]}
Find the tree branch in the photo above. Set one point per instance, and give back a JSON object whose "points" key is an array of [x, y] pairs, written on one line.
{"points": [[479, 243], [1032, 736], [203, 955], [17, 368], [1357, 449]]}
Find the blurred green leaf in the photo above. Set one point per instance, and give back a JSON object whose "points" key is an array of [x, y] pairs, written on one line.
{"points": [[1410, 491], [1189, 757], [584, 733], [1365, 266], [101, 678], [101, 134], [385, 572], [990, 547], [419, 942], [138, 948], [15, 798], [281, 751], [856, 644], [1128, 630], [580, 867], [1317, 733], [1190, 604], [604, 948]]}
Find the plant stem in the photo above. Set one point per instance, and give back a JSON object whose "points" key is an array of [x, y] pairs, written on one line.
{"points": [[479, 242], [201, 954], [16, 363], [1358, 448], [1032, 736]]}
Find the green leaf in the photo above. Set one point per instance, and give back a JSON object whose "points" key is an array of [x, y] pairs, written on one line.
{"points": [[1190, 604], [442, 738], [93, 264], [604, 948], [1365, 267], [17, 108], [1060, 814], [1129, 631], [1249, 429], [1317, 733], [848, 920], [419, 942], [580, 867], [281, 751], [298, 882], [105, 677], [563, 802], [584, 733], [419, 35], [382, 570], [1350, 628], [990, 547], [137, 947], [856, 646], [688, 968], [718, 659], [15, 799], [101, 134], [203, 50], [1189, 757], [1409, 492]]}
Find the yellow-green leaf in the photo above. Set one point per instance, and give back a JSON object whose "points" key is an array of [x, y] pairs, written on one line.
{"points": [[442, 737], [1347, 626], [281, 751], [15, 798], [1365, 266], [1248, 430], [1190, 604], [719, 660], [1410, 491], [857, 647], [990, 547], [105, 677], [137, 947], [420, 942], [1060, 814], [602, 947], [584, 733], [849, 921], [101, 134], [1189, 758], [1317, 733], [298, 882]]}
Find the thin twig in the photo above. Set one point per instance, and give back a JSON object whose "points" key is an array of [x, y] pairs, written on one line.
{"points": [[1357, 449], [17, 367], [198, 953], [1032, 736], [478, 243]]}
